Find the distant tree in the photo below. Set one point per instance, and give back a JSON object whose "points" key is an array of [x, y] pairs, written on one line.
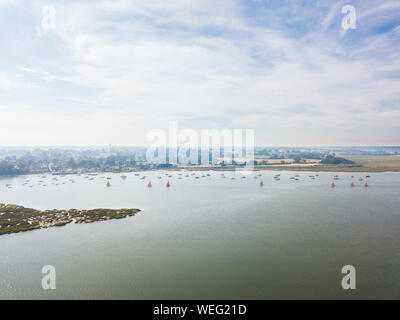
{"points": [[297, 159], [7, 168], [331, 159], [71, 163], [110, 161]]}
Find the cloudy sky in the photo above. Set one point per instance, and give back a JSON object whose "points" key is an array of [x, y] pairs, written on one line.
{"points": [[110, 71]]}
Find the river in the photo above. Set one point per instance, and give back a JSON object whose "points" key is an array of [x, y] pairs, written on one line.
{"points": [[208, 238]]}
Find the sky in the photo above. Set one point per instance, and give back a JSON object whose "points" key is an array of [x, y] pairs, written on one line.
{"points": [[83, 73]]}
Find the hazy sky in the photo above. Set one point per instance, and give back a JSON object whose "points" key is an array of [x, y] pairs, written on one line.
{"points": [[109, 71]]}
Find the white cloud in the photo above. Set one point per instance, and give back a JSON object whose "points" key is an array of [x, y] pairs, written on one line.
{"points": [[133, 65]]}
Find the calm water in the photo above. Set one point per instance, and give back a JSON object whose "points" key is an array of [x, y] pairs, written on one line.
{"points": [[210, 237]]}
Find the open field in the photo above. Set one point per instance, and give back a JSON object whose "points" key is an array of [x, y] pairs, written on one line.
{"points": [[361, 164], [377, 163]]}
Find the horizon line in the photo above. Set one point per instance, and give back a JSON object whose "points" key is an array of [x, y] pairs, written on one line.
{"points": [[144, 146]]}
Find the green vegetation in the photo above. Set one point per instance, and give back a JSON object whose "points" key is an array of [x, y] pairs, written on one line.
{"points": [[7, 168], [15, 218], [378, 163], [317, 168], [330, 159]]}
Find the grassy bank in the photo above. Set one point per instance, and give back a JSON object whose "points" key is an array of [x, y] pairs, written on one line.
{"points": [[361, 164]]}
